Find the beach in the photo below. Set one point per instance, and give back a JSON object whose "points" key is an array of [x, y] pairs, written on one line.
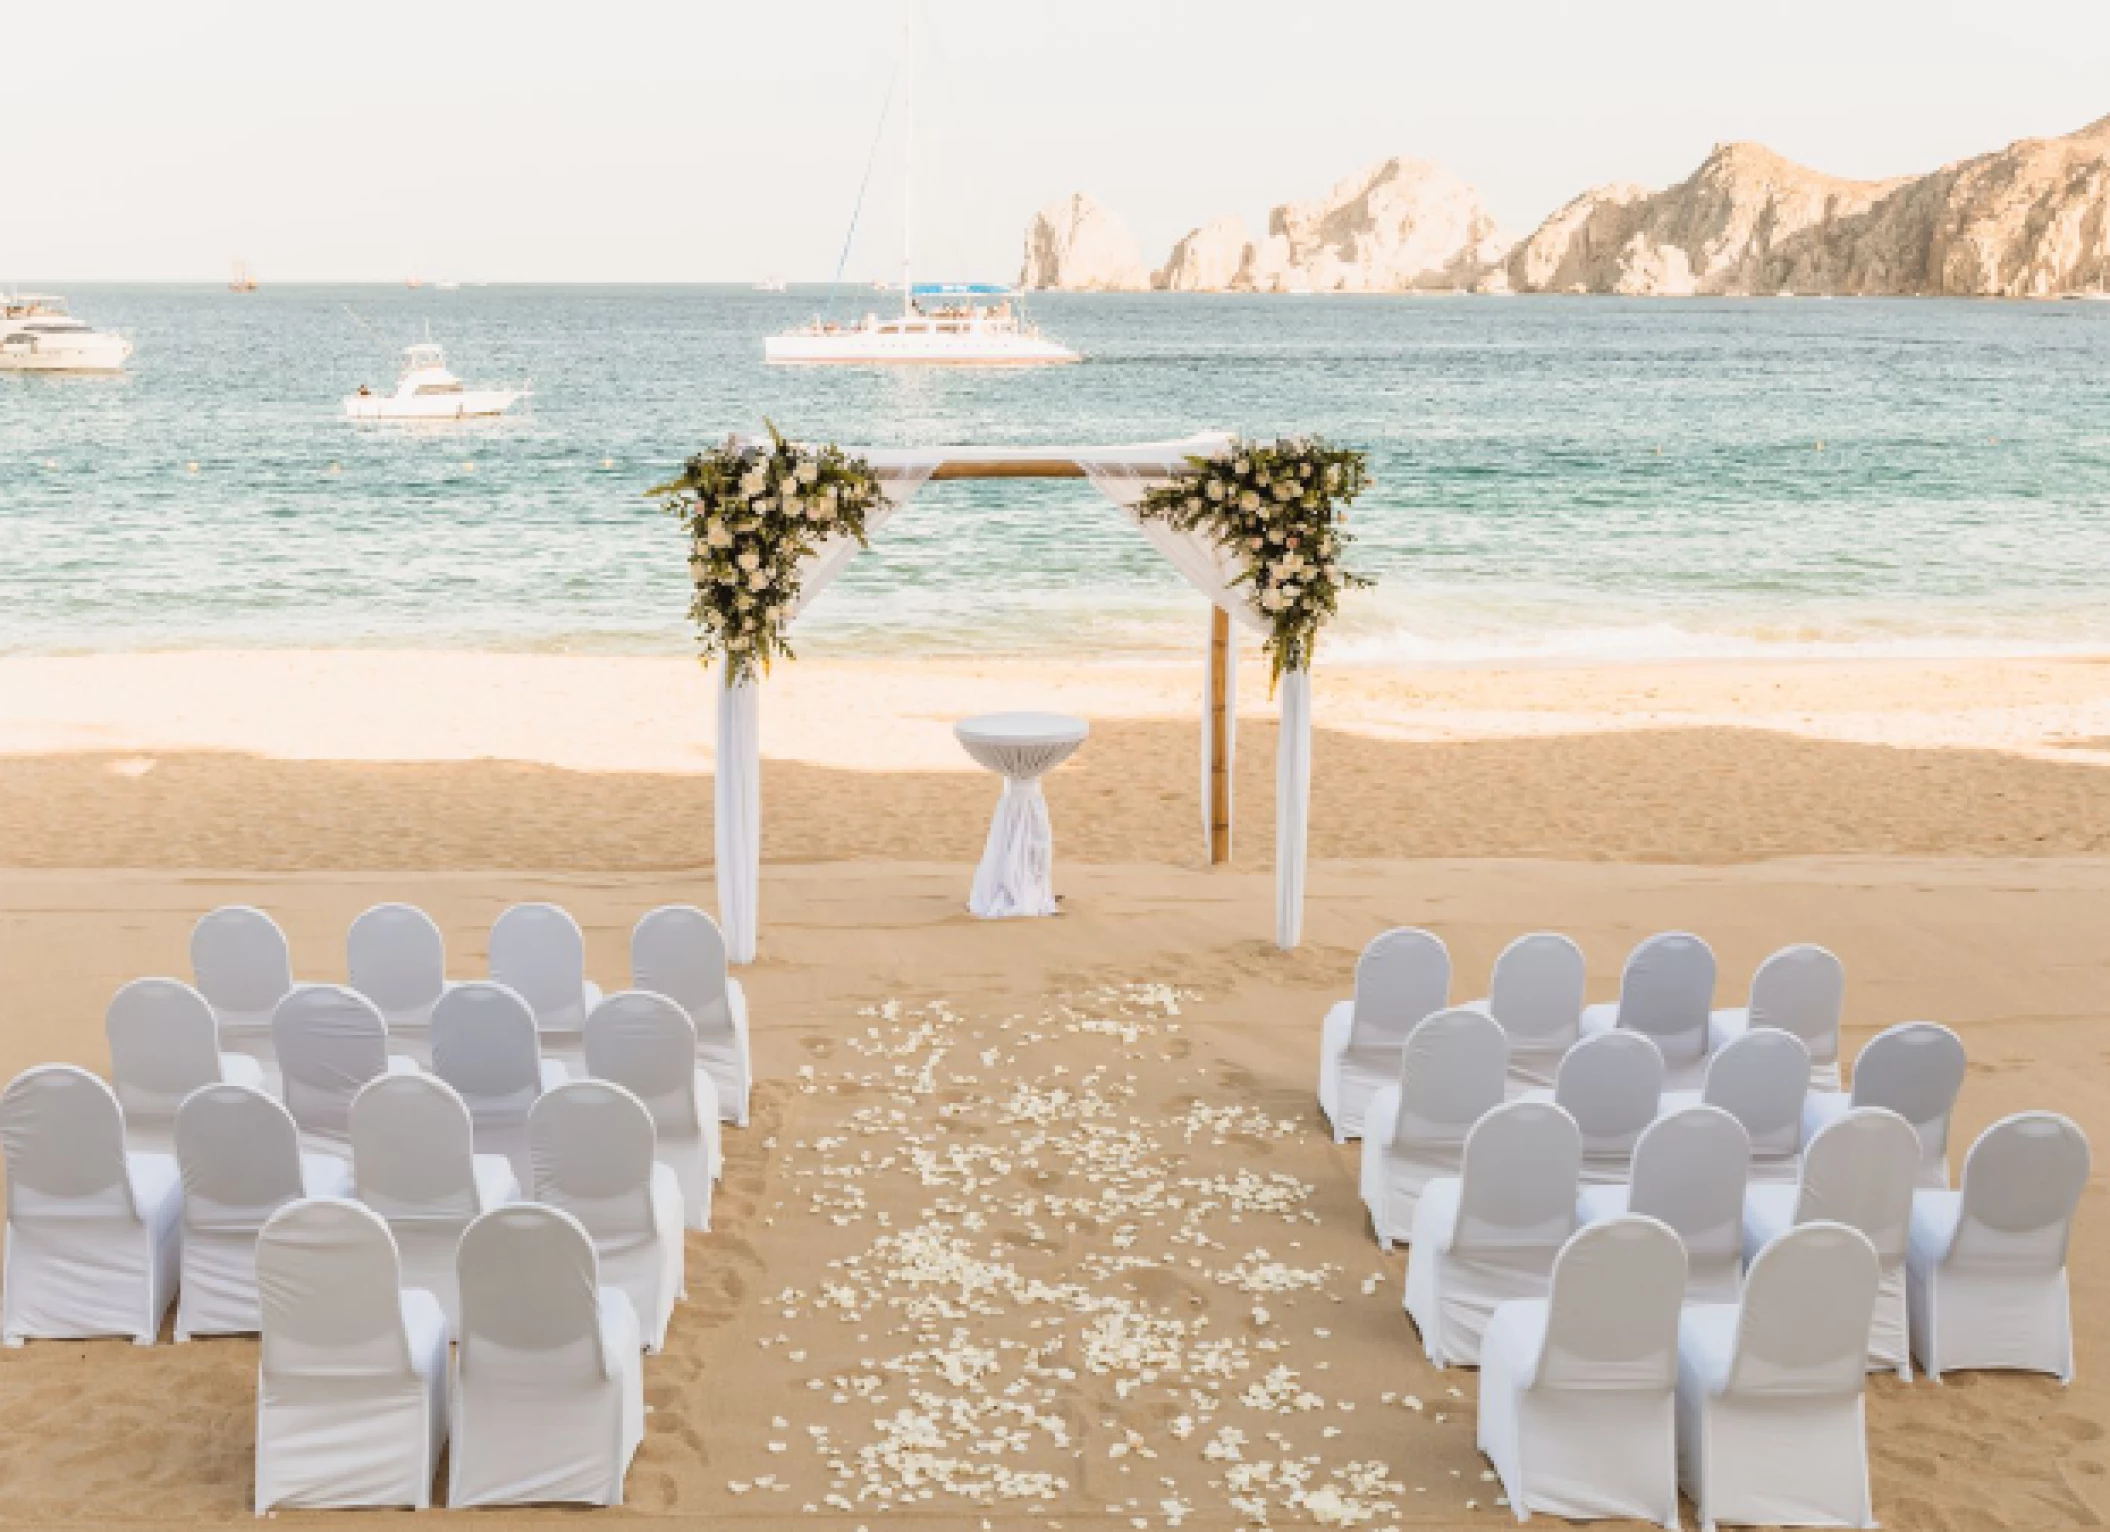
{"points": [[1032, 1213]]}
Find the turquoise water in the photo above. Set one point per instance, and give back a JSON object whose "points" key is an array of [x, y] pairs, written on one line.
{"points": [[1555, 477]]}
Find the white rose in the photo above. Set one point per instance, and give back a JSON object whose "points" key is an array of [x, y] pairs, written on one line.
{"points": [[750, 561], [759, 580], [753, 482], [1270, 600], [824, 510], [1216, 489], [1289, 595], [794, 506], [743, 602], [827, 497], [1285, 490], [1248, 501], [718, 536], [1242, 466], [808, 473]]}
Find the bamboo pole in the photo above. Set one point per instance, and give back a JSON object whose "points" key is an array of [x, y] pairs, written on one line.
{"points": [[1219, 737]]}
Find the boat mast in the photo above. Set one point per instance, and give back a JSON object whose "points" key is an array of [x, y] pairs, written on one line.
{"points": [[908, 152]]}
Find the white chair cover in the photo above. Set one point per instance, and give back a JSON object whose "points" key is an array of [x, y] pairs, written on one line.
{"points": [[1666, 993], [1916, 1070], [538, 951], [549, 1386], [164, 1044], [351, 1394], [1770, 1425], [1450, 1076], [1490, 1234], [93, 1233], [644, 1043], [1689, 1174], [1986, 1266], [678, 951], [330, 1041], [1612, 1085], [1799, 989], [1577, 1389], [1760, 1078], [1857, 1172], [241, 1159], [398, 959], [485, 1044], [1536, 993], [1402, 976], [414, 1163], [591, 1143], [243, 967]]}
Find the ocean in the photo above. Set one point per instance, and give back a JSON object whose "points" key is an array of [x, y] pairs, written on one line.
{"points": [[1556, 478]]}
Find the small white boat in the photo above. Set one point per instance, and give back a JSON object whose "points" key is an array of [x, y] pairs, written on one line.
{"points": [[38, 335], [771, 285], [426, 390]]}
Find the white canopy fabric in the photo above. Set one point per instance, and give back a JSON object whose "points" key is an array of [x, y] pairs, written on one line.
{"points": [[549, 1380], [1123, 475], [1403, 976], [647, 1044], [93, 1233], [678, 951], [1577, 1388], [351, 1394], [164, 1044]]}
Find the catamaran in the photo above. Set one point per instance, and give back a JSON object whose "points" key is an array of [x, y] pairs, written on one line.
{"points": [[38, 335], [960, 324]]}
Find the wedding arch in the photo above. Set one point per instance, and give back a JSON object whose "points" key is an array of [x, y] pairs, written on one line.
{"points": [[1255, 527]]}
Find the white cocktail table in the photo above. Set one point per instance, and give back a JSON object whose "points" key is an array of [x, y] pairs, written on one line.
{"points": [[1017, 872]]}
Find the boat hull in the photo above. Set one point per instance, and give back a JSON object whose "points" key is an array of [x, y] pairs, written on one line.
{"points": [[866, 349], [482, 404], [96, 352]]}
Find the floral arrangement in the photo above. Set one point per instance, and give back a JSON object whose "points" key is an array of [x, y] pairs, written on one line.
{"points": [[754, 512], [1281, 509]]}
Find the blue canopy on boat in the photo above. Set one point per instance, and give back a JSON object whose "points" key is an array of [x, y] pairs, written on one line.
{"points": [[962, 290]]}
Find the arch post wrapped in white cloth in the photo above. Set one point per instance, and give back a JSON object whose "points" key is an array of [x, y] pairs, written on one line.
{"points": [[1017, 872]]}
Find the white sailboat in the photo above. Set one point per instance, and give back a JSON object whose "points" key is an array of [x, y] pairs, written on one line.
{"points": [[957, 324]]}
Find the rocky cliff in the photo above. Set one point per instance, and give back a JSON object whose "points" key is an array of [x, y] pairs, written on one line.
{"points": [[1077, 245], [2029, 220], [1399, 225]]}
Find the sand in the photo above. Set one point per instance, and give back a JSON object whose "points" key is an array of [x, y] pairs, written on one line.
{"points": [[1958, 864]]}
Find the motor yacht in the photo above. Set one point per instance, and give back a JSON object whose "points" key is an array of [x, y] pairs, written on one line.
{"points": [[427, 390], [38, 335]]}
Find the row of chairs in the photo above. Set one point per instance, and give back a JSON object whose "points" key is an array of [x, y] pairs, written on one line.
{"points": [[396, 957], [101, 1239], [1535, 994], [329, 1042], [355, 1402]]}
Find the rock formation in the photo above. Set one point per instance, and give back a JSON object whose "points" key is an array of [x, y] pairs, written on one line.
{"points": [[2029, 220], [1207, 260], [1077, 245]]}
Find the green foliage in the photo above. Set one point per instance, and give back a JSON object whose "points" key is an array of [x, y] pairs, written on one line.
{"points": [[754, 512], [1280, 509]]}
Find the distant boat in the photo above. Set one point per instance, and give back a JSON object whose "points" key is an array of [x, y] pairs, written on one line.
{"points": [[448, 287], [38, 335], [771, 285], [413, 283], [426, 390], [969, 324], [243, 280]]}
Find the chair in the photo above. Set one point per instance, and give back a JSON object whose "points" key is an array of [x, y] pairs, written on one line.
{"points": [[414, 1163], [1450, 1076], [351, 1391], [1986, 1266], [1857, 1172], [485, 1045], [164, 1044], [549, 1386], [1665, 994], [241, 1159], [591, 1143], [330, 1041], [1536, 994], [1760, 1079], [1916, 1070], [538, 952], [93, 1232], [678, 951], [644, 1043], [398, 960], [1612, 1085], [243, 967], [1689, 1175], [1798, 989], [1490, 1233], [1578, 1389], [1770, 1391], [1402, 976]]}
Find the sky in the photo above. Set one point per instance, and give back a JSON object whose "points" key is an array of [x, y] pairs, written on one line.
{"points": [[654, 141]]}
